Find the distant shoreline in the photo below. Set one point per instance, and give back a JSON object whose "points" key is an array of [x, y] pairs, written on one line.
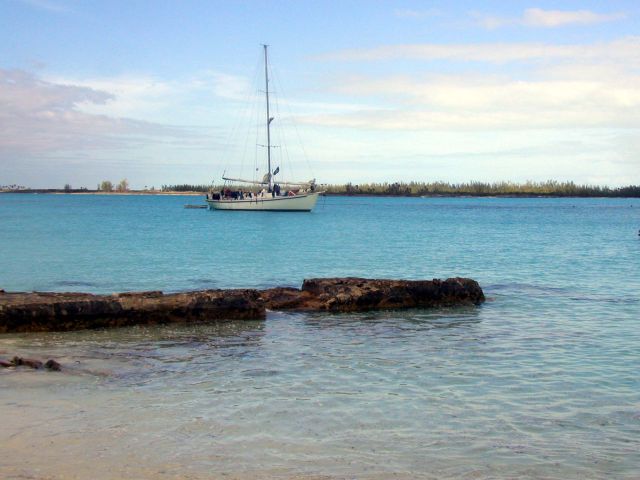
{"points": [[328, 194], [100, 192]]}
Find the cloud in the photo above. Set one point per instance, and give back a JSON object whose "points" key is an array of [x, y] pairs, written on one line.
{"points": [[557, 98], [625, 49], [417, 14], [561, 86], [130, 96], [536, 17], [227, 86], [529, 96], [47, 5], [39, 117], [472, 120], [479, 92], [147, 97]]}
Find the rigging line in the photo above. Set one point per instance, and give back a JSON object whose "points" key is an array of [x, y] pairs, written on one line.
{"points": [[255, 155], [257, 115], [286, 153], [251, 123], [240, 120], [278, 131], [295, 127], [285, 157], [252, 114], [268, 117], [238, 154], [265, 90]]}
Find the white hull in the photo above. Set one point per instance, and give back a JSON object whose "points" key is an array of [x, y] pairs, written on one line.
{"points": [[266, 201], [297, 203]]}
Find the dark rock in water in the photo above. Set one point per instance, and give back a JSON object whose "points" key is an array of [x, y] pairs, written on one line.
{"points": [[285, 298], [31, 312], [30, 362], [26, 362], [358, 294], [28, 312], [52, 365]]}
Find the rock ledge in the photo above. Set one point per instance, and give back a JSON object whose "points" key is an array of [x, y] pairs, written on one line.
{"points": [[40, 311]]}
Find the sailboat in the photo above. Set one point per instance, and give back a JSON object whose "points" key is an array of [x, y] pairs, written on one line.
{"points": [[266, 194]]}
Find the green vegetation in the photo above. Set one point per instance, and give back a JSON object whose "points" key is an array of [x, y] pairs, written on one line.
{"points": [[186, 188], [106, 186], [12, 188], [549, 188], [123, 186]]}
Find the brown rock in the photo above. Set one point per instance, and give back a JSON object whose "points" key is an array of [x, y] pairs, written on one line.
{"points": [[358, 294], [52, 365], [30, 312], [354, 294], [24, 312], [26, 362], [285, 298]]}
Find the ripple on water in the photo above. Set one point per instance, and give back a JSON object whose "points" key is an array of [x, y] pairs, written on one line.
{"points": [[539, 382]]}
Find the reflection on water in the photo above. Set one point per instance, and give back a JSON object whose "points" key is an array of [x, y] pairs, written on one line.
{"points": [[417, 394], [539, 382]]}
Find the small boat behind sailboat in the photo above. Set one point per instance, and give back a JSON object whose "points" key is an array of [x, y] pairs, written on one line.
{"points": [[266, 195]]}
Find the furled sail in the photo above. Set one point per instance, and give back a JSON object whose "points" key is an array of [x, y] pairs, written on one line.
{"points": [[310, 183], [265, 182]]}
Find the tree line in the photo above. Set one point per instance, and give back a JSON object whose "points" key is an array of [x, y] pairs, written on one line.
{"points": [[187, 188], [549, 188]]}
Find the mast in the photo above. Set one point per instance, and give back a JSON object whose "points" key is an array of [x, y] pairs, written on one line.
{"points": [[269, 119]]}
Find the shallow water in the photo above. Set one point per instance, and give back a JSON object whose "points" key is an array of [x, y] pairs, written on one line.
{"points": [[539, 382]]}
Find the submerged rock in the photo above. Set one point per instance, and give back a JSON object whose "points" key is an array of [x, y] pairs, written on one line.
{"points": [[52, 365], [32, 363], [29, 312], [26, 362]]}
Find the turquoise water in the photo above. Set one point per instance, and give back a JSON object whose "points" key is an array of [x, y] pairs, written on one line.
{"points": [[539, 382]]}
